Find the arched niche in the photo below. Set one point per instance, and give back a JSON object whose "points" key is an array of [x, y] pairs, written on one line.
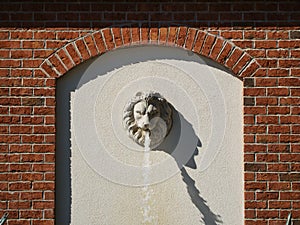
{"points": [[95, 179]]}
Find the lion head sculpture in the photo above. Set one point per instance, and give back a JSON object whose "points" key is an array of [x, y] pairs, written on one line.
{"points": [[148, 112]]}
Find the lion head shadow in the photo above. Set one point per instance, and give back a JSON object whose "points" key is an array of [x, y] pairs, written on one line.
{"points": [[185, 158]]}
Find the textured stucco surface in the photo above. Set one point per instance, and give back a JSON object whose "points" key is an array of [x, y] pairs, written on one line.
{"points": [[209, 103]]}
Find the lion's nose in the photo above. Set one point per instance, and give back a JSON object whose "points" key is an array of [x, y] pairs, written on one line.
{"points": [[146, 122]]}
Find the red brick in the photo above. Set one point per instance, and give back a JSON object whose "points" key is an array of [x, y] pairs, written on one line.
{"points": [[278, 110], [82, 49], [21, 72], [293, 157], [99, 42], [267, 195], [290, 119], [254, 91], [285, 138], [266, 157], [43, 185], [250, 213], [32, 176], [191, 35], [295, 53], [278, 91], [256, 204], [19, 54], [153, 35], [163, 35], [10, 63], [249, 119], [296, 129], [234, 57], [289, 101], [267, 138], [265, 44], [289, 81], [171, 36], [280, 53], [224, 53], [241, 63], [287, 63], [250, 69], [290, 196], [216, 48], [117, 36], [254, 34], [19, 205], [278, 148], [32, 157], [267, 214], [267, 177], [126, 35], [278, 167], [73, 53], [255, 167], [278, 72], [200, 37], [255, 148], [49, 69], [43, 204], [51, 44], [255, 186], [57, 64], [28, 214], [249, 176], [255, 110], [19, 222], [31, 195], [43, 167], [255, 129], [266, 82], [279, 186], [275, 129], [44, 35], [182, 34], [266, 101], [44, 110], [49, 214], [108, 38], [19, 186], [43, 222], [208, 44], [10, 44], [256, 53]]}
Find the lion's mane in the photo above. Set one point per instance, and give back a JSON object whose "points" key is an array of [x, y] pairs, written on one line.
{"points": [[163, 127]]}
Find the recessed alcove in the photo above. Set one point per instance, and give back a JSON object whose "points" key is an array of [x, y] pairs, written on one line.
{"points": [[99, 169]]}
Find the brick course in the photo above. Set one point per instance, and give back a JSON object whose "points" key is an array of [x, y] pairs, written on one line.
{"points": [[258, 41]]}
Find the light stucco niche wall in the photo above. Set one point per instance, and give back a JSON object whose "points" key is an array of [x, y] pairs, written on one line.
{"points": [[195, 175]]}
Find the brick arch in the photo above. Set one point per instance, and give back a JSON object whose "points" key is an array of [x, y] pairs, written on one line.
{"points": [[200, 42]]}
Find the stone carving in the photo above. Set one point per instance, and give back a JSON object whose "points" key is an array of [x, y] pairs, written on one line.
{"points": [[148, 112]]}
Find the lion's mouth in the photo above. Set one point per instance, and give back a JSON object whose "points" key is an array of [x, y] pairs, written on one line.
{"points": [[147, 130]]}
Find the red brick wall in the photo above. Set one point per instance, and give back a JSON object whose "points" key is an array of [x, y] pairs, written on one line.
{"points": [[258, 40]]}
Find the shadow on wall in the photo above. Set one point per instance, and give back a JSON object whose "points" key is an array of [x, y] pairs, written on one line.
{"points": [[208, 216], [65, 86]]}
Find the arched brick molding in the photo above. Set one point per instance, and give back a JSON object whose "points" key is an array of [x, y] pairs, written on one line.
{"points": [[201, 42], [198, 41]]}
